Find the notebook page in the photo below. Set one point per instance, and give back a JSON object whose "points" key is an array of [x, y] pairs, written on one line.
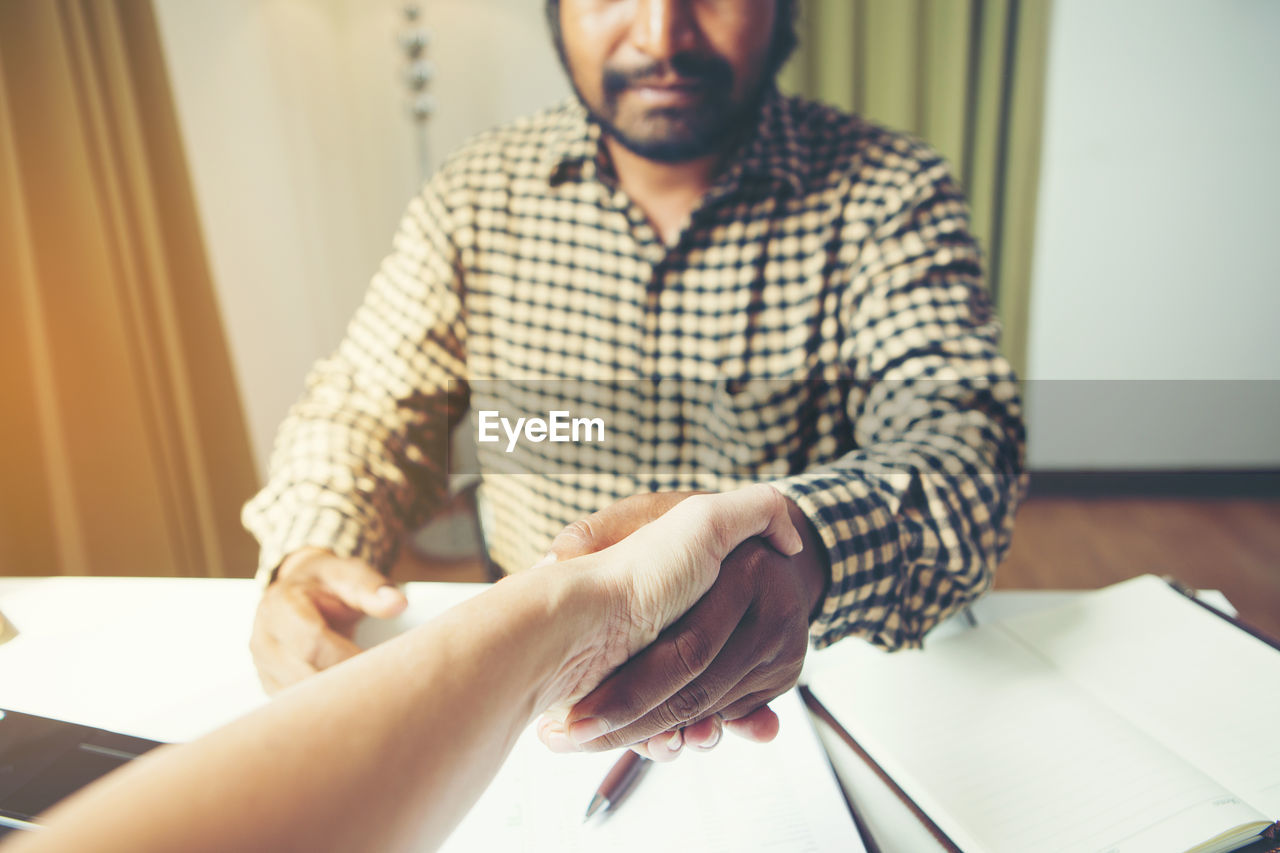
{"points": [[780, 796], [1193, 680], [1006, 755]]}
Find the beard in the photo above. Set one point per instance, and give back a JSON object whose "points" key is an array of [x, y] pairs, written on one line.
{"points": [[707, 121]]}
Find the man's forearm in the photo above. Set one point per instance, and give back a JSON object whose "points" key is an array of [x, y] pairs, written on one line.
{"points": [[914, 526]]}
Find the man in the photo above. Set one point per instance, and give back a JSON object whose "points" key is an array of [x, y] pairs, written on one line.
{"points": [[806, 278]]}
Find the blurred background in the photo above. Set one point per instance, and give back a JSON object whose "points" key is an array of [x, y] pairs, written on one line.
{"points": [[193, 196]]}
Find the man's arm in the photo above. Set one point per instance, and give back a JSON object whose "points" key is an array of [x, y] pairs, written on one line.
{"points": [[389, 750], [361, 456], [917, 516], [912, 521]]}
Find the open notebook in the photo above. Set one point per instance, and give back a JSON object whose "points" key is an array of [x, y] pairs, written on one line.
{"points": [[1131, 720], [781, 796]]}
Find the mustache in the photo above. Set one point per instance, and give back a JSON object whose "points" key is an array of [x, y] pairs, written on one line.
{"points": [[709, 71]]}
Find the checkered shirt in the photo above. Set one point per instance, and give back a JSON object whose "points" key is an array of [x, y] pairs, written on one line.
{"points": [[822, 315]]}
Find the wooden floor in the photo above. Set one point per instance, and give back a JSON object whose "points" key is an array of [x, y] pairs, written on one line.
{"points": [[1085, 543], [1075, 543]]}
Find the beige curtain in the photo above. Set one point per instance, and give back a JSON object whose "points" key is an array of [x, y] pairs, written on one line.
{"points": [[123, 449], [968, 77]]}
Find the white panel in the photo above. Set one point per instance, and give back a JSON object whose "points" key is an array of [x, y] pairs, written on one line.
{"points": [[1157, 227]]}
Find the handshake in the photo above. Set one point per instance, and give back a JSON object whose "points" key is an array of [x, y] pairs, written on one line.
{"points": [[709, 611]]}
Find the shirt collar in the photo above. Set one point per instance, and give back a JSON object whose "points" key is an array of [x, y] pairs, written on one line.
{"points": [[572, 144], [771, 152]]}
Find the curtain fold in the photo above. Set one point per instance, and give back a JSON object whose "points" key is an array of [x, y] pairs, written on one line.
{"points": [[967, 76], [123, 449]]}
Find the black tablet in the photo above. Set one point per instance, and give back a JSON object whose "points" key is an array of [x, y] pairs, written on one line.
{"points": [[44, 760]]}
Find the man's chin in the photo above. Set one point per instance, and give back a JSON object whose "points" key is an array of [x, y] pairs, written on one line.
{"points": [[669, 137], [676, 134], [668, 152]]}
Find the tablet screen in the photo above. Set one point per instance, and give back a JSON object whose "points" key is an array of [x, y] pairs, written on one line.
{"points": [[43, 760]]}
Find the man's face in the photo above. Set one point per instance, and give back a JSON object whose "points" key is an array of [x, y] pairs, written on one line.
{"points": [[671, 80]]}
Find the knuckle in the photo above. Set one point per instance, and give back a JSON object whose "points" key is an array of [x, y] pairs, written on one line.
{"points": [[692, 651], [662, 719], [686, 704], [774, 676], [786, 677], [757, 555], [578, 534], [609, 741], [700, 510], [776, 500]]}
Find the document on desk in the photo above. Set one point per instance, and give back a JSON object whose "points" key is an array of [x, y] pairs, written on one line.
{"points": [[1128, 721], [781, 796]]}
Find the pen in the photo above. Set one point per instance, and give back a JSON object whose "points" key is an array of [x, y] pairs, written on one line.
{"points": [[617, 782]]}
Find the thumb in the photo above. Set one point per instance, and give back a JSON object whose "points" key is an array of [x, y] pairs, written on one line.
{"points": [[363, 588], [722, 522], [610, 525], [681, 551]]}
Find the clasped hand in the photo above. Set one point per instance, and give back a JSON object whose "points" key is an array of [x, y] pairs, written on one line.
{"points": [[738, 647], [741, 642]]}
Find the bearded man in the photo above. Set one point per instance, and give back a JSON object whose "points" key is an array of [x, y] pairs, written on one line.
{"points": [[767, 289]]}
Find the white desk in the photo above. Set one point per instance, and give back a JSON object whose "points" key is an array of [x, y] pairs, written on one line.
{"points": [[168, 659], [161, 658]]}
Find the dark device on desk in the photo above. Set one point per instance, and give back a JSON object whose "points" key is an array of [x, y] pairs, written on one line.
{"points": [[44, 760]]}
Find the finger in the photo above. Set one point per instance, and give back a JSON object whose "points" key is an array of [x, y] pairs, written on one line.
{"points": [[700, 531], [610, 525], [552, 734], [705, 734], [734, 517], [276, 668], [653, 680], [733, 677], [742, 677], [304, 633], [361, 587], [761, 725], [666, 746]]}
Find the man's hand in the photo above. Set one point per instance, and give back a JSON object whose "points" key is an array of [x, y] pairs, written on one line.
{"points": [[308, 614], [740, 646]]}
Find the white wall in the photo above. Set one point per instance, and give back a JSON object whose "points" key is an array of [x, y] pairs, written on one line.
{"points": [[302, 154], [1156, 235]]}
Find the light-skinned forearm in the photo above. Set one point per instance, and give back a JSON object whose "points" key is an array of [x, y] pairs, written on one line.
{"points": [[426, 718]]}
